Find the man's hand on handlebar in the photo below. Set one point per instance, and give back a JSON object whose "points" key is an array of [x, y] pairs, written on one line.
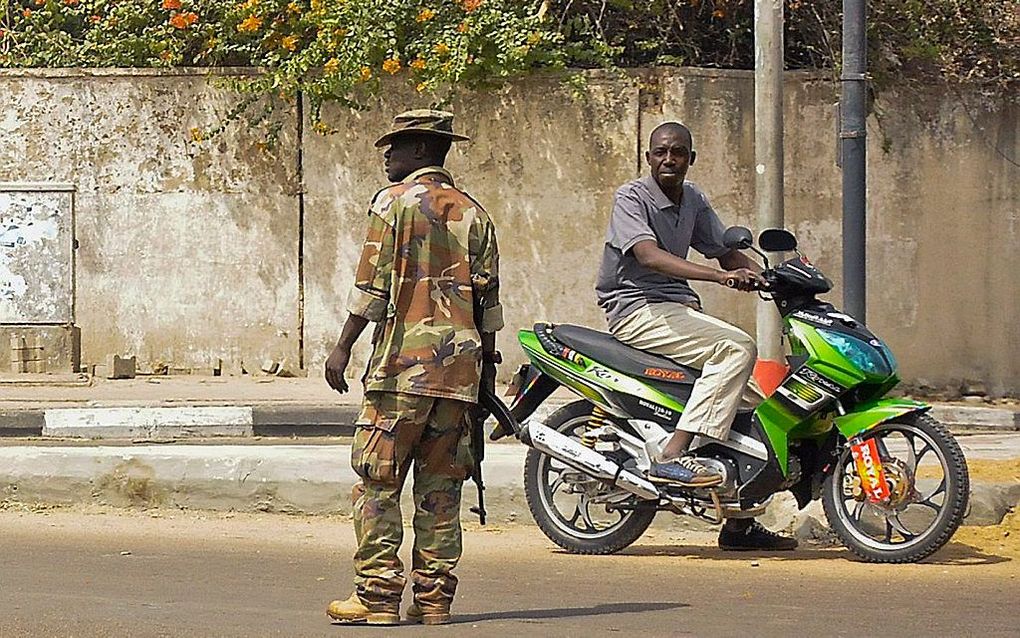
{"points": [[742, 279]]}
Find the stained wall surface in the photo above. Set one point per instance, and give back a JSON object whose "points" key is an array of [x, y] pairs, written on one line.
{"points": [[195, 251], [187, 252]]}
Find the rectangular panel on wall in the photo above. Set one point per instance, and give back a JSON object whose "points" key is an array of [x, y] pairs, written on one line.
{"points": [[36, 253]]}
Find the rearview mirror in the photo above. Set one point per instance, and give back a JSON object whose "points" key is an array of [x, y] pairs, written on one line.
{"points": [[777, 240], [737, 237]]}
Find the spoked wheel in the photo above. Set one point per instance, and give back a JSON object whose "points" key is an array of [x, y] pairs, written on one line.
{"points": [[929, 488], [581, 514]]}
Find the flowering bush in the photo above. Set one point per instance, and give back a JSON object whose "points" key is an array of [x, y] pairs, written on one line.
{"points": [[338, 50], [326, 49]]}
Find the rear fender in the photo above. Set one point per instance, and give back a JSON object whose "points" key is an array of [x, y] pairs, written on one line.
{"points": [[533, 389], [866, 416]]}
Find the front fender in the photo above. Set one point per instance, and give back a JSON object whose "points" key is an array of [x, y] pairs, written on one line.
{"points": [[867, 415]]}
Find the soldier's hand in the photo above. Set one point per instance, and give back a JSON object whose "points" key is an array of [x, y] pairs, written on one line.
{"points": [[336, 365]]}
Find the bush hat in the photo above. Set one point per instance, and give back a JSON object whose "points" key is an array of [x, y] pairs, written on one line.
{"points": [[422, 121]]}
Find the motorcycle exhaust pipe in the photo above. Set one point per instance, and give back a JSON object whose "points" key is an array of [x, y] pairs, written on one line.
{"points": [[547, 440]]}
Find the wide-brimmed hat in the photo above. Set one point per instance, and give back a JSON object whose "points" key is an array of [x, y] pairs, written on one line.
{"points": [[422, 121]]}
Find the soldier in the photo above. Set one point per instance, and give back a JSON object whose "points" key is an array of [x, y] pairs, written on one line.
{"points": [[428, 278]]}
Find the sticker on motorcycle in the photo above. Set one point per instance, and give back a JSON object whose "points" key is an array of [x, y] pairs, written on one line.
{"points": [[869, 468]]}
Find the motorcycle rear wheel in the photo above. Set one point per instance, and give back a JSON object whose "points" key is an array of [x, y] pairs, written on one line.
{"points": [[577, 531], [930, 486]]}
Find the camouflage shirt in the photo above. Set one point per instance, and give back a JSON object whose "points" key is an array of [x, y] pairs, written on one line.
{"points": [[429, 263]]}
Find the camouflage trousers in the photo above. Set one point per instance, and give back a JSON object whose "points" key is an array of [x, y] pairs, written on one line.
{"points": [[396, 431]]}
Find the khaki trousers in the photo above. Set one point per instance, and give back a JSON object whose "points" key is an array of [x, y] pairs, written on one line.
{"points": [[725, 355]]}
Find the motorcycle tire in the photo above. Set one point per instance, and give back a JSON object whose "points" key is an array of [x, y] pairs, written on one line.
{"points": [[946, 521], [565, 420]]}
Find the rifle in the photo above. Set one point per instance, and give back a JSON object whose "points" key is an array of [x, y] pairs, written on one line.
{"points": [[477, 416]]}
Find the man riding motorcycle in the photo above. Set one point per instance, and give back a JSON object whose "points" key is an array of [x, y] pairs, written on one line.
{"points": [[642, 286]]}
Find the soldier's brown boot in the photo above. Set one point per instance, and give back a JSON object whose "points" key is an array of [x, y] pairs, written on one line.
{"points": [[429, 616], [353, 610]]}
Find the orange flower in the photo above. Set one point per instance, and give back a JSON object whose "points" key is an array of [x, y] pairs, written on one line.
{"points": [[425, 14], [417, 64], [391, 65], [366, 74], [719, 13], [171, 5], [462, 27], [71, 3], [251, 24], [95, 19], [331, 66], [441, 49], [165, 55], [289, 42], [26, 12], [294, 7], [40, 3], [183, 20], [470, 5]]}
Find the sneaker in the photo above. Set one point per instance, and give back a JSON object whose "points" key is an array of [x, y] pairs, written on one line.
{"points": [[431, 617], [354, 611], [755, 537], [685, 471]]}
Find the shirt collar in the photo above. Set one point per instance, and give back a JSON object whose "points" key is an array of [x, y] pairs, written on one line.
{"points": [[430, 169], [660, 198]]}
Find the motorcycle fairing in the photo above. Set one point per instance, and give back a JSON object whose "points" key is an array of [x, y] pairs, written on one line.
{"points": [[604, 386], [866, 416]]}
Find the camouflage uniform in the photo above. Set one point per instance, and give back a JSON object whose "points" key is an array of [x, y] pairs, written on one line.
{"points": [[429, 262]]}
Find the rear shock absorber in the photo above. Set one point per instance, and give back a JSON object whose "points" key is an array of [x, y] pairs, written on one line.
{"points": [[599, 418]]}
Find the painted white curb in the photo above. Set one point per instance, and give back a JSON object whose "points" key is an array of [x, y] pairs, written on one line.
{"points": [[144, 422]]}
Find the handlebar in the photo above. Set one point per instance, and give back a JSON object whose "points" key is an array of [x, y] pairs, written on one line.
{"points": [[731, 282]]}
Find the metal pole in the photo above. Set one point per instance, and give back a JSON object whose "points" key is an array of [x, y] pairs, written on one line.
{"points": [[768, 150], [853, 152]]}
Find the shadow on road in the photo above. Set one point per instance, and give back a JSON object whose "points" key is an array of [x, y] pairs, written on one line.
{"points": [[962, 554], [958, 554], [568, 612], [714, 553]]}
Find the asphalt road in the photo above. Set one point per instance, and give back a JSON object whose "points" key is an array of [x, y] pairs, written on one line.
{"points": [[172, 573]]}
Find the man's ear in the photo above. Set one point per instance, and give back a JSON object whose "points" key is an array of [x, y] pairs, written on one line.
{"points": [[694, 156], [421, 149]]}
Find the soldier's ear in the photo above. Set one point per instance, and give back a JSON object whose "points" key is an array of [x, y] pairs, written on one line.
{"points": [[694, 156], [421, 149]]}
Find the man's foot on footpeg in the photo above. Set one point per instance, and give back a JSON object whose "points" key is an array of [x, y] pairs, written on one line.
{"points": [[754, 537], [685, 471]]}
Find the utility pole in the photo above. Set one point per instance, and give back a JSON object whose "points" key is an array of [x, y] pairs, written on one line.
{"points": [[853, 156], [768, 150]]}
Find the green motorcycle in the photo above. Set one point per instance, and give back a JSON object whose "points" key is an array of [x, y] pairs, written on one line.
{"points": [[892, 480]]}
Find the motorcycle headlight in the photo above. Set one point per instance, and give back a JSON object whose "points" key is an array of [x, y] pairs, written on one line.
{"points": [[862, 354]]}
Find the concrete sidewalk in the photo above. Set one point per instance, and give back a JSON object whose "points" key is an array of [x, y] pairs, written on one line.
{"points": [[173, 407], [177, 407], [316, 478]]}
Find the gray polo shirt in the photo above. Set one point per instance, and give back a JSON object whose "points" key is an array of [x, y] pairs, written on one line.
{"points": [[642, 211]]}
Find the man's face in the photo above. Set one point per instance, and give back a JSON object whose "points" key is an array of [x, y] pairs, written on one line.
{"points": [[669, 157], [403, 157]]}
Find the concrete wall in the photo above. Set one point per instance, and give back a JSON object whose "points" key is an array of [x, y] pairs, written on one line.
{"points": [[188, 252], [191, 252]]}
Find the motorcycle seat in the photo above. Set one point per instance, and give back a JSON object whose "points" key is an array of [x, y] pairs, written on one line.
{"points": [[607, 350]]}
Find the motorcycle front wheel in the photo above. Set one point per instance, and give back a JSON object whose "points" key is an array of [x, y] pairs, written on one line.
{"points": [[929, 488], [581, 514]]}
